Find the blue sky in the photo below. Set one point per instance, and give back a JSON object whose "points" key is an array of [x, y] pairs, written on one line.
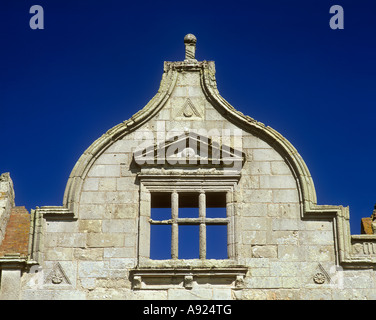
{"points": [[96, 63]]}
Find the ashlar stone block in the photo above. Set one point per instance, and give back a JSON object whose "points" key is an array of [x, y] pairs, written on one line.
{"points": [[94, 254], [254, 209], [253, 142], [91, 184], [284, 210], [102, 240], [291, 253], [92, 197], [124, 252], [96, 269], [284, 268], [284, 196], [254, 237], [280, 168], [267, 251], [277, 182], [112, 158], [253, 223], [104, 170], [62, 226], [266, 155], [59, 254], [285, 224], [257, 195], [258, 167], [67, 240], [119, 225], [122, 211], [107, 184], [90, 225]]}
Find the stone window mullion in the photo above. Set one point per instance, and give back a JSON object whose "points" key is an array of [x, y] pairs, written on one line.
{"points": [[174, 226], [231, 226], [202, 216]]}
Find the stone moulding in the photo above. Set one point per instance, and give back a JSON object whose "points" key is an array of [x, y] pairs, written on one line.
{"points": [[56, 213], [165, 278], [15, 261], [208, 154], [344, 243]]}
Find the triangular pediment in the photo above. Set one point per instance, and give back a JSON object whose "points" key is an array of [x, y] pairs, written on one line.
{"points": [[190, 149], [188, 111], [57, 276]]}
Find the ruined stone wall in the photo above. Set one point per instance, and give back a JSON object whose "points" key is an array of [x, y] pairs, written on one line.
{"points": [[6, 202]]}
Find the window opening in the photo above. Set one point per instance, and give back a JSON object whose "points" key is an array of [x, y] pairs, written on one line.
{"points": [[160, 242], [216, 205], [216, 242], [188, 225], [189, 243], [160, 234], [188, 205]]}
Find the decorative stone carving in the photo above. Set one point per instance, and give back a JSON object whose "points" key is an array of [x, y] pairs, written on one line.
{"points": [[57, 276], [239, 282], [364, 248], [178, 278], [137, 281], [188, 110], [319, 278], [188, 281], [190, 46]]}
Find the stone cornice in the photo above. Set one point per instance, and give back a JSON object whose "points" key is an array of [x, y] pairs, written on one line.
{"points": [[15, 261]]}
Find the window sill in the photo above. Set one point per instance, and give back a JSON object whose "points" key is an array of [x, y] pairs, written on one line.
{"points": [[166, 274]]}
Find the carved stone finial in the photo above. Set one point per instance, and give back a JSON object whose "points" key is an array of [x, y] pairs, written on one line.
{"points": [[190, 46]]}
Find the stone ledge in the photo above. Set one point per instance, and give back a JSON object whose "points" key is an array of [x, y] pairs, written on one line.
{"points": [[56, 213], [166, 278]]}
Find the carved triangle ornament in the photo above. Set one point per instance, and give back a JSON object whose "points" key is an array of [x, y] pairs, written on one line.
{"points": [[57, 276], [188, 110]]}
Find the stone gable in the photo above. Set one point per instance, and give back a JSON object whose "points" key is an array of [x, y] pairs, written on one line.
{"points": [[189, 148]]}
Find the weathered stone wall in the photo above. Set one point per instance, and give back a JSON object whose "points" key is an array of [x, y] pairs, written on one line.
{"points": [[6, 202], [287, 256]]}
